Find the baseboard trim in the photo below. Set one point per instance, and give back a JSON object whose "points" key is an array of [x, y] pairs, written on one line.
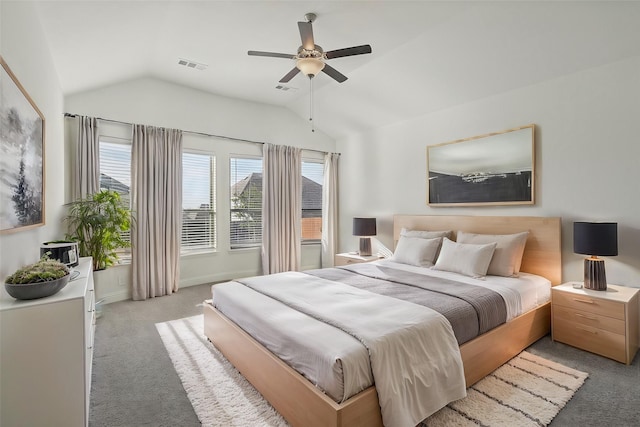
{"points": [[126, 294], [215, 278], [114, 297]]}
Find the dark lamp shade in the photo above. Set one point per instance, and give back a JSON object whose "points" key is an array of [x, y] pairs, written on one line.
{"points": [[364, 226], [595, 238]]}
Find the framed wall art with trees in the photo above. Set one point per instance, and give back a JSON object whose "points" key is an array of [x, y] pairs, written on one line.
{"points": [[22, 176]]}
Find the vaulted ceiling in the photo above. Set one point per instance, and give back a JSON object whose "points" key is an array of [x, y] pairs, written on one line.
{"points": [[427, 55]]}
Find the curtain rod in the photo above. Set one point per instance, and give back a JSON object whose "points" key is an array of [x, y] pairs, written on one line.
{"points": [[196, 133]]}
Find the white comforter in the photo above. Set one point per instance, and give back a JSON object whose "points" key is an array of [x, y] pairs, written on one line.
{"points": [[414, 355]]}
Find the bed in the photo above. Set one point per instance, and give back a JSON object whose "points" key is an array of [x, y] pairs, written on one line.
{"points": [[302, 403]]}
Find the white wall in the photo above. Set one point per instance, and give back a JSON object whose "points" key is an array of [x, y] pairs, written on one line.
{"points": [[587, 147], [587, 151], [159, 103], [24, 48]]}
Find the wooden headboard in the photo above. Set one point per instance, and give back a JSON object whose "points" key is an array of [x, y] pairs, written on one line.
{"points": [[542, 254]]}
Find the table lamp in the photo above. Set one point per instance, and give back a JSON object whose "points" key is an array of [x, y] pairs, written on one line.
{"points": [[364, 227], [593, 239]]}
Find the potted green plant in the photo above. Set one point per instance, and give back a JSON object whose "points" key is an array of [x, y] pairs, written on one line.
{"points": [[99, 223], [38, 280]]}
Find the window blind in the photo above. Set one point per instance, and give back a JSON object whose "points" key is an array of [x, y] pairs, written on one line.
{"points": [[115, 175], [198, 202], [246, 202], [312, 178]]}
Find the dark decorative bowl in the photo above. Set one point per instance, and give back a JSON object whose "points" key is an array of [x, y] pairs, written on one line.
{"points": [[36, 290]]}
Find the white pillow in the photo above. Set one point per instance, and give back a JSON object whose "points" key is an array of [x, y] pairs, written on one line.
{"points": [[508, 254], [423, 234], [468, 259], [416, 251]]}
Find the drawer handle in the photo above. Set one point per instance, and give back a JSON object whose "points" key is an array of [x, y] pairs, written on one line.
{"points": [[587, 330], [586, 317], [586, 301]]}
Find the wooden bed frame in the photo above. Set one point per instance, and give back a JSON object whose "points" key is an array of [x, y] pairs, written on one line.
{"points": [[303, 404]]}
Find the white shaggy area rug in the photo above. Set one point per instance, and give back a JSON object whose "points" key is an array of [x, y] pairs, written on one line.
{"points": [[526, 391]]}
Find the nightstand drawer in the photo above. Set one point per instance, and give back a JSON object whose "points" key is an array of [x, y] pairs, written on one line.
{"points": [[350, 258], [346, 261], [586, 303], [566, 314], [591, 339]]}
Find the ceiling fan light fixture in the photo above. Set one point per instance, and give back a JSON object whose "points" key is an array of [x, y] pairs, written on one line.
{"points": [[310, 66]]}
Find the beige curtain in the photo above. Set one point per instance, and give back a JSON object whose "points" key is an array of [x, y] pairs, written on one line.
{"points": [[281, 208], [156, 175], [330, 209], [87, 171]]}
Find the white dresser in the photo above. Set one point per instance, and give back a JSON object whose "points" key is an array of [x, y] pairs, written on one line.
{"points": [[46, 350]]}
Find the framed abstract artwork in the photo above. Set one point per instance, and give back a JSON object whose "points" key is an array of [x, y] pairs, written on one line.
{"points": [[492, 169], [21, 156]]}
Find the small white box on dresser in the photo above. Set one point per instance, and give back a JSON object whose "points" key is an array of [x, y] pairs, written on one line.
{"points": [[46, 351], [602, 322]]}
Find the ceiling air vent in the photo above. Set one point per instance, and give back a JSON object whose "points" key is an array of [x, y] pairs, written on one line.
{"points": [[286, 88], [192, 64]]}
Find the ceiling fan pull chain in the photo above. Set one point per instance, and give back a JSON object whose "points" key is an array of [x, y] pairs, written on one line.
{"points": [[311, 103]]}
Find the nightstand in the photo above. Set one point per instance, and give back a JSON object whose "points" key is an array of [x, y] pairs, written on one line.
{"points": [[602, 322], [347, 258]]}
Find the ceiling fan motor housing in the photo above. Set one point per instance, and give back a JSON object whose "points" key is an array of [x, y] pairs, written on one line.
{"points": [[317, 52]]}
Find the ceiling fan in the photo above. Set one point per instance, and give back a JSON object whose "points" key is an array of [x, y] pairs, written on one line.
{"points": [[311, 59]]}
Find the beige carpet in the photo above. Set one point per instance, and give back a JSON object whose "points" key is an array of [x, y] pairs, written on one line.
{"points": [[526, 391]]}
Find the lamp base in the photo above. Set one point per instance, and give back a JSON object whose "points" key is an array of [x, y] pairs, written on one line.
{"points": [[594, 274], [365, 246]]}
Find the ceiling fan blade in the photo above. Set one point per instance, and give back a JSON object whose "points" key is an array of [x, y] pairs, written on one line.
{"points": [[291, 74], [270, 54], [306, 35], [333, 73], [348, 51]]}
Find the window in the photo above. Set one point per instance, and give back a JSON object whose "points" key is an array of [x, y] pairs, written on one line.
{"points": [[115, 168], [198, 202], [246, 202], [198, 193], [312, 178], [115, 174]]}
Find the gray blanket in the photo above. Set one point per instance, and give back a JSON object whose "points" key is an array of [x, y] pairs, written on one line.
{"points": [[471, 310]]}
